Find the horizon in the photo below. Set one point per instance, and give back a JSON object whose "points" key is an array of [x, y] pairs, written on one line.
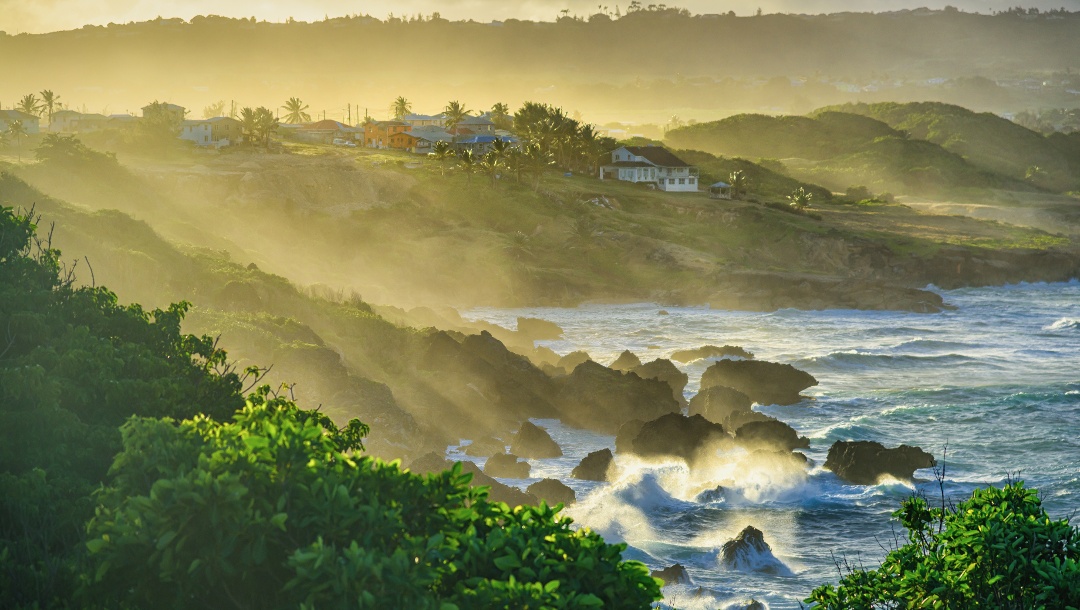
{"points": [[23, 17]]}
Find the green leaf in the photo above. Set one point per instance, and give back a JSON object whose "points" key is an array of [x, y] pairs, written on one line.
{"points": [[507, 562], [588, 601]]}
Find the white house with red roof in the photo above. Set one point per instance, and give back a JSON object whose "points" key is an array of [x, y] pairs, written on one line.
{"points": [[652, 165]]}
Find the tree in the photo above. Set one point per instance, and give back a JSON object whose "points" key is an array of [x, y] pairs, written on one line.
{"points": [[467, 163], [257, 124], [537, 160], [400, 107], [301, 519], [441, 151], [740, 183], [997, 549], [295, 111], [160, 127], [214, 110], [455, 113], [49, 101], [492, 163], [17, 130], [29, 104], [500, 115], [69, 152], [800, 198]]}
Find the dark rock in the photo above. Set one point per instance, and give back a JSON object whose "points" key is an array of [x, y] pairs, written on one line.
{"points": [[597, 398], [710, 351], [571, 361], [663, 312], [484, 447], [738, 419], [679, 436], [666, 371], [748, 552], [553, 492], [716, 494], [624, 438], [541, 356], [535, 329], [763, 382], [625, 362], [717, 403], [770, 434], [533, 442], [864, 462], [506, 466], [431, 463], [594, 467], [499, 492], [753, 604], [674, 575]]}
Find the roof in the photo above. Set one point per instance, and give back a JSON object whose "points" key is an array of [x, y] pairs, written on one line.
{"points": [[328, 125], [483, 139], [194, 122], [18, 115], [657, 155], [429, 135], [720, 185], [390, 123], [218, 119], [167, 106], [629, 164], [475, 120], [423, 117]]}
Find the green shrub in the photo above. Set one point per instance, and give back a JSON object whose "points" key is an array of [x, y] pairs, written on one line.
{"points": [[277, 510], [997, 550]]}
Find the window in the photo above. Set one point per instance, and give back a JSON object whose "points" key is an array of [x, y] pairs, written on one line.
{"points": [[682, 180], [693, 181], [671, 181]]}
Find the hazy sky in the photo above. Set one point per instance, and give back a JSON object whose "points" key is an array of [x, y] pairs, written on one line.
{"points": [[50, 15]]}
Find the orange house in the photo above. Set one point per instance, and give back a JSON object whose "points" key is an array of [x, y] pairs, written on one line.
{"points": [[378, 134]]}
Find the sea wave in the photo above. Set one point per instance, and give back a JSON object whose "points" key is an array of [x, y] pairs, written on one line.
{"points": [[856, 360], [1064, 324]]}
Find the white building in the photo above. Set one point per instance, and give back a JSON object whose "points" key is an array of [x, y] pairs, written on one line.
{"points": [[198, 132], [29, 121], [651, 164]]}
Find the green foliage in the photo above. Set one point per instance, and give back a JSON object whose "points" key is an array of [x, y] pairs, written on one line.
{"points": [[276, 510], [997, 550], [70, 152], [74, 364]]}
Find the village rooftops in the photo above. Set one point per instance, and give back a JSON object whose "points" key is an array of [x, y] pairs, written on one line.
{"points": [[475, 120], [18, 115]]}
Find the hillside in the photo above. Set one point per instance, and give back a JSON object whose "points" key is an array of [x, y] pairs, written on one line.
{"points": [[673, 64], [983, 139]]}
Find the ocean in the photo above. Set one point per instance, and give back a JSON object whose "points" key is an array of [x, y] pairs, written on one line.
{"points": [[993, 388]]}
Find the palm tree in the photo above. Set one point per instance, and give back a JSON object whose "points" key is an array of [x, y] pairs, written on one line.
{"points": [[491, 163], [248, 124], [49, 101], [800, 198], [17, 130], [739, 183], [441, 151], [29, 104], [214, 110], [294, 111], [467, 163], [455, 113], [265, 124], [500, 115], [400, 107], [537, 160]]}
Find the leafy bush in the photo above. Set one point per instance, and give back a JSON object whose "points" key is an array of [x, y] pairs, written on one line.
{"points": [[276, 510], [999, 549]]}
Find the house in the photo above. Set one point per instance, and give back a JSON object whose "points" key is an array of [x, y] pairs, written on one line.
{"points": [[29, 122], [475, 125], [720, 190], [217, 132], [425, 120], [176, 112], [328, 130], [122, 122], [377, 133], [65, 121], [480, 144], [653, 165], [420, 140]]}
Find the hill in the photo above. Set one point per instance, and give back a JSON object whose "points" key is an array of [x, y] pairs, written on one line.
{"points": [[702, 66]]}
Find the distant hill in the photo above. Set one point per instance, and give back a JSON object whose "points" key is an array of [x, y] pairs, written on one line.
{"points": [[986, 140]]}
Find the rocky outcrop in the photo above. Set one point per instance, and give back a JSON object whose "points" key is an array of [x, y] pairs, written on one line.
{"points": [[717, 403], [571, 361], [506, 466], [536, 329], [533, 442], [625, 362], [431, 463], [710, 351], [597, 398], [553, 492], [763, 382], [666, 371], [865, 462], [748, 552], [675, 435], [624, 438], [765, 291], [484, 447], [594, 467], [771, 434], [673, 575]]}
